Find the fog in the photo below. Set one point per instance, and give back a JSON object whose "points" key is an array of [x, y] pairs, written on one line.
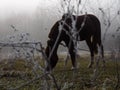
{"points": [[38, 16]]}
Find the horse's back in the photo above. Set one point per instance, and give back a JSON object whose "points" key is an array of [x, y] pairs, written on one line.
{"points": [[91, 26]]}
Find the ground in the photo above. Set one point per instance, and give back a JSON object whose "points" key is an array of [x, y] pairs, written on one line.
{"points": [[19, 75]]}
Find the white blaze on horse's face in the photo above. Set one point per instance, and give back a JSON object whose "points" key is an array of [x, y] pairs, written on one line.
{"points": [[91, 39]]}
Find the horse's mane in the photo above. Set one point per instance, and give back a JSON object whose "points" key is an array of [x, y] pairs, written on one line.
{"points": [[68, 16]]}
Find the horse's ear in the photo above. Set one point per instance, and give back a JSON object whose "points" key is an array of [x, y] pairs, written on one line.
{"points": [[65, 16], [68, 16]]}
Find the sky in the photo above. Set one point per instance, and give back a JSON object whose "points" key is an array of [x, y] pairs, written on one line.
{"points": [[26, 16], [8, 7]]}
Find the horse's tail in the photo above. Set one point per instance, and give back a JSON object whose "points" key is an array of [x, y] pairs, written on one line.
{"points": [[98, 43], [95, 46]]}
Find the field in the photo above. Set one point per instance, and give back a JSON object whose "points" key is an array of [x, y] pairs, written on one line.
{"points": [[20, 75]]}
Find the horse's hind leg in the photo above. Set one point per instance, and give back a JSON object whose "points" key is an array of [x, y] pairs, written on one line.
{"points": [[102, 53], [90, 45]]}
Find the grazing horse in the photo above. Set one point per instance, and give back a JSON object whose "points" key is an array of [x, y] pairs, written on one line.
{"points": [[87, 27]]}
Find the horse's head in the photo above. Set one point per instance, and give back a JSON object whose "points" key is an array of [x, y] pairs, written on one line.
{"points": [[51, 54], [55, 37]]}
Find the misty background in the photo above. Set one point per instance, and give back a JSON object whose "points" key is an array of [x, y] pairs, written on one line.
{"points": [[37, 17]]}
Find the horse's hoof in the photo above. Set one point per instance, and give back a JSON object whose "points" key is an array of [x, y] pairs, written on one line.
{"points": [[103, 65], [90, 65], [74, 68]]}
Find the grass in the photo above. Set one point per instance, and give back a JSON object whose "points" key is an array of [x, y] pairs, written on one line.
{"points": [[18, 73]]}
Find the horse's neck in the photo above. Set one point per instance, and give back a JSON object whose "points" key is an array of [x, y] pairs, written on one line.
{"points": [[54, 46]]}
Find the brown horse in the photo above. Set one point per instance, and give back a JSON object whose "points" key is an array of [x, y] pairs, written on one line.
{"points": [[87, 28]]}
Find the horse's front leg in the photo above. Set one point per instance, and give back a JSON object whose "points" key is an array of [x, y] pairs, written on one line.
{"points": [[72, 53], [73, 57]]}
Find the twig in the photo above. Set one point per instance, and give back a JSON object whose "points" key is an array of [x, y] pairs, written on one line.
{"points": [[27, 83]]}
